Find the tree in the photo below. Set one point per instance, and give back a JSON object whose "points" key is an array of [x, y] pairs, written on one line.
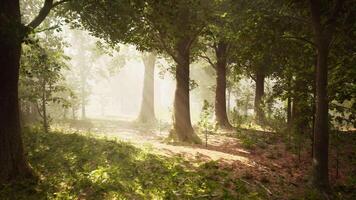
{"points": [[167, 27], [147, 113], [41, 80], [12, 34], [257, 45], [323, 34]]}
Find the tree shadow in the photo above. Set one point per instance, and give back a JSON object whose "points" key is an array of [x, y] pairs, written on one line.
{"points": [[75, 166]]}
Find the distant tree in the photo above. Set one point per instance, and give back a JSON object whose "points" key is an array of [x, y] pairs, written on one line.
{"points": [[257, 45], [147, 112]]}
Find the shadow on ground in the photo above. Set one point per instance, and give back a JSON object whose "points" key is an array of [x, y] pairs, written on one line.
{"points": [[76, 166]]}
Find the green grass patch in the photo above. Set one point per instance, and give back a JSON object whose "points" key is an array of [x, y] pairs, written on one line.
{"points": [[71, 165]]}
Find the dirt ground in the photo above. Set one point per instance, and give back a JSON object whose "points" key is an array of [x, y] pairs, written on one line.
{"points": [[270, 166]]}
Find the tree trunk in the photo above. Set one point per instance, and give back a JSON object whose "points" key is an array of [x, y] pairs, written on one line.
{"points": [[44, 108], [147, 113], [323, 35], [321, 133], [289, 111], [220, 93], [228, 100], [13, 162], [73, 113], [83, 111], [259, 92], [83, 97], [183, 130], [247, 104]]}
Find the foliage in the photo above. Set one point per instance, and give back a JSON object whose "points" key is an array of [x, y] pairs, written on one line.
{"points": [[41, 80], [70, 168], [150, 25], [206, 115]]}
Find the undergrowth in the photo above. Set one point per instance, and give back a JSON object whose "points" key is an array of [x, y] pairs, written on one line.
{"points": [[76, 166]]}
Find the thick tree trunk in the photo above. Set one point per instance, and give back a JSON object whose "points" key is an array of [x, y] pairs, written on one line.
{"points": [[228, 100], [147, 113], [259, 92], [13, 163], [220, 93], [183, 130]]}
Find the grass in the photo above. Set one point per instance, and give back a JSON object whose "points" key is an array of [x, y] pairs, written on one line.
{"points": [[76, 166]]}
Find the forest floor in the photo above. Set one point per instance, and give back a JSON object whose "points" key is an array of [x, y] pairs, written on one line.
{"points": [[102, 159], [258, 158]]}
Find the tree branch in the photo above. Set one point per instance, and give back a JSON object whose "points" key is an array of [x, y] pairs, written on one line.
{"points": [[59, 2], [300, 39], [194, 37], [45, 10], [167, 49], [47, 29], [253, 78], [160, 40], [205, 57]]}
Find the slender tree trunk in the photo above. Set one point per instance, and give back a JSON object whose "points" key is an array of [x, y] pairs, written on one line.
{"points": [[65, 112], [83, 97], [183, 130], [313, 122], [83, 111], [247, 103], [259, 92], [73, 113], [289, 104], [220, 93], [44, 108], [321, 129], [147, 113], [13, 162], [289, 111]]}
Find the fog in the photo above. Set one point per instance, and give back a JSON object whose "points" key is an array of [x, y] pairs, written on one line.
{"points": [[114, 83]]}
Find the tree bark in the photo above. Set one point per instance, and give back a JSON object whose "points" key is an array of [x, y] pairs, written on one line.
{"points": [[228, 100], [147, 113], [259, 92], [321, 129], [220, 93], [44, 108], [289, 111], [13, 163], [183, 130], [323, 34]]}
